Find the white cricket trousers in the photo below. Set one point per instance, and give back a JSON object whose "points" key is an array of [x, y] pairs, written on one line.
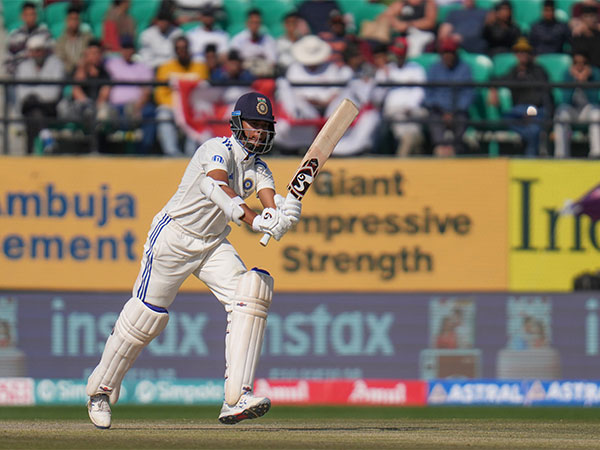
{"points": [[171, 254]]}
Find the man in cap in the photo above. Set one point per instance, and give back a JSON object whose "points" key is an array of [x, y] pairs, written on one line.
{"points": [[400, 104], [189, 236], [523, 123], [38, 102], [312, 65], [448, 106]]}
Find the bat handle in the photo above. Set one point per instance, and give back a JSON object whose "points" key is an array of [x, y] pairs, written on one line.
{"points": [[265, 239]]}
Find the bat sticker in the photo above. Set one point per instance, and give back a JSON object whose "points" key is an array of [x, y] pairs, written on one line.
{"points": [[304, 178]]}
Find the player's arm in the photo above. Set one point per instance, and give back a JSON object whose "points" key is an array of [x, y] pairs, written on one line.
{"points": [[230, 203]]}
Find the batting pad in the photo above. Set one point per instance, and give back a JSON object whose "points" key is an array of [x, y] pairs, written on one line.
{"points": [[136, 326], [248, 321]]}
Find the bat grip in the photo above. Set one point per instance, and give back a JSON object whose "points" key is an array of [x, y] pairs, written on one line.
{"points": [[265, 239]]}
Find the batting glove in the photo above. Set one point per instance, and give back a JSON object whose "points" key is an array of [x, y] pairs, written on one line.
{"points": [[289, 206], [272, 222]]}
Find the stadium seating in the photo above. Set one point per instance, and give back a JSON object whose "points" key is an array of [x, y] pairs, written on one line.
{"points": [[54, 16], [361, 10], [555, 64], [144, 12], [235, 15], [273, 12], [426, 59], [444, 10], [525, 14], [96, 11]]}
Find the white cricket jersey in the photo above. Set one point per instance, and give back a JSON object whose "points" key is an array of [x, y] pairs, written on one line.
{"points": [[247, 173]]}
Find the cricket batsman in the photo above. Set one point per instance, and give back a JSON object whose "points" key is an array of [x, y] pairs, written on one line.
{"points": [[189, 236]]}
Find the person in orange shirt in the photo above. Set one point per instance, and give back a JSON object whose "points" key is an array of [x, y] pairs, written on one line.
{"points": [[181, 66]]}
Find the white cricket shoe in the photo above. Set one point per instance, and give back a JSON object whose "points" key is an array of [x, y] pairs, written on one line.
{"points": [[247, 407], [99, 410]]}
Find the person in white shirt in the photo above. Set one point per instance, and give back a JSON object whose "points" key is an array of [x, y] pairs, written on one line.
{"points": [[156, 43], [206, 34], [259, 49], [189, 236], [293, 32], [400, 104], [312, 65]]}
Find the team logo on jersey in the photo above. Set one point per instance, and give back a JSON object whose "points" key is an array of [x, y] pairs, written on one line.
{"points": [[218, 158], [261, 105], [304, 178], [248, 183]]}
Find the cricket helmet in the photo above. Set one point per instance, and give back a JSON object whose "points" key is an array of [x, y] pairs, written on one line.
{"points": [[253, 106]]}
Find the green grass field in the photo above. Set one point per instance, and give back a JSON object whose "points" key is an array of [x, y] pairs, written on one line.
{"points": [[169, 427]]}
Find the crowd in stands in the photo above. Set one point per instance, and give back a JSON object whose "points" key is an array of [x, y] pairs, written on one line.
{"points": [[380, 54]]}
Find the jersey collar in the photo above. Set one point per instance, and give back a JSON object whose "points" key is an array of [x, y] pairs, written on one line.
{"points": [[240, 151]]}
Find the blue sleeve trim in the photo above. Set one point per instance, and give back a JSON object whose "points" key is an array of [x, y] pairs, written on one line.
{"points": [[256, 269]]}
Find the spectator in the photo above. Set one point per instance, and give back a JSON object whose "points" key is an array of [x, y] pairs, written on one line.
{"points": [[579, 105], [336, 36], [38, 102], [577, 8], [316, 14], [73, 42], [292, 32], [186, 11], [358, 74], [118, 25], [526, 70], [549, 35], [17, 39], [400, 104], [211, 59], [156, 42], [500, 31], [465, 25], [181, 66], [413, 19], [205, 34], [312, 65], [88, 102], [130, 104], [233, 70], [586, 35], [448, 107], [259, 49]]}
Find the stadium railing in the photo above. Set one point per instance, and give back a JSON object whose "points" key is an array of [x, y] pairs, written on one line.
{"points": [[489, 130]]}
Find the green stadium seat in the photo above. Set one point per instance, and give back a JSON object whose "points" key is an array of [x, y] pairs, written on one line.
{"points": [[566, 6], [144, 12], [556, 65], [444, 10], [54, 16], [235, 15], [426, 60], [481, 70], [96, 11], [486, 4], [503, 62], [526, 13], [273, 12]]}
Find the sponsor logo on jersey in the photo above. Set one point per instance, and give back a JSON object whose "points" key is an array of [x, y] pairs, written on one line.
{"points": [[218, 158], [227, 144]]}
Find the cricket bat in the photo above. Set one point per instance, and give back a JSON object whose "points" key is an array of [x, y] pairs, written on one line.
{"points": [[320, 151]]}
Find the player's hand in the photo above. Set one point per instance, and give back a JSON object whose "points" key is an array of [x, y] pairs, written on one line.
{"points": [[272, 222], [292, 208]]}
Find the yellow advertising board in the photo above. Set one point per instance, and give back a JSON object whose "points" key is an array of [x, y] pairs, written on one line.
{"points": [[548, 250], [367, 225]]}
